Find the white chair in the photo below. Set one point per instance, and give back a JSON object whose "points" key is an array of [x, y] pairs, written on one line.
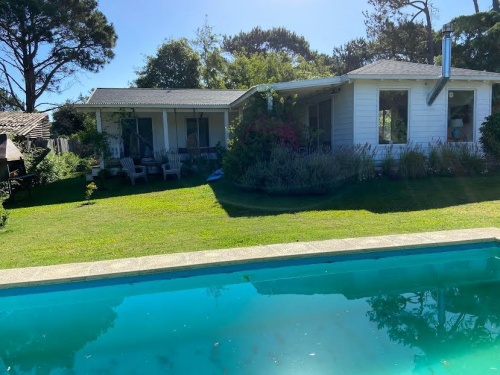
{"points": [[133, 171], [173, 166]]}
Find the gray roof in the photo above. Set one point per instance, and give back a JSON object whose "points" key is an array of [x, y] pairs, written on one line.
{"points": [[406, 70], [31, 125], [164, 97]]}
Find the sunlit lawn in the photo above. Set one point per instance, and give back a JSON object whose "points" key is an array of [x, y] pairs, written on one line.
{"points": [[168, 217]]}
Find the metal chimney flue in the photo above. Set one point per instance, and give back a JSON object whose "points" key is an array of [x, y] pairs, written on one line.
{"points": [[445, 64]]}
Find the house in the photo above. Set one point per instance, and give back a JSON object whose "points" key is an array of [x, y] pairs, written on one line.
{"points": [[29, 125], [388, 102], [142, 122], [382, 104]]}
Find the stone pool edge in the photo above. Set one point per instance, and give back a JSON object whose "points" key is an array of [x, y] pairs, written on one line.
{"points": [[77, 272]]}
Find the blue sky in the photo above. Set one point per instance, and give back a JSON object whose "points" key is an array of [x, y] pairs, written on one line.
{"points": [[143, 25]]}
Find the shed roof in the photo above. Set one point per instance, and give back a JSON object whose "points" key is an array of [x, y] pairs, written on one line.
{"points": [[406, 70], [164, 97], [31, 125]]}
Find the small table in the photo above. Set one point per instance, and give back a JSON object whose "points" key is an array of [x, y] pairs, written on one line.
{"points": [[151, 167]]}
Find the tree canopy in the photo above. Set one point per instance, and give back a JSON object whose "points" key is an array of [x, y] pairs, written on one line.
{"points": [[476, 41], [213, 65], [390, 19], [175, 65], [68, 121], [43, 42], [277, 39]]}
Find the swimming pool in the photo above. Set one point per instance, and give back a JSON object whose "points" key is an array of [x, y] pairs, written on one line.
{"points": [[418, 311]]}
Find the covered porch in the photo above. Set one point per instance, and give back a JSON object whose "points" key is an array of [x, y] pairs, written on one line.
{"points": [[147, 123]]}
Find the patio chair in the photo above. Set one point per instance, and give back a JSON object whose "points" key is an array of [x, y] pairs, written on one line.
{"points": [[173, 166], [133, 171]]}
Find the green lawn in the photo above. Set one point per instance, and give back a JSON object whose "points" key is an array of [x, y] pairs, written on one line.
{"points": [[188, 215]]}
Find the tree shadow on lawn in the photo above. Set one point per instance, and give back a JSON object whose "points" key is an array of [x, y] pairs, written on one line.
{"points": [[72, 190], [377, 196]]}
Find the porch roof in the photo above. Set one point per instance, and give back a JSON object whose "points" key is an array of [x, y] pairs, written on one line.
{"points": [[174, 98]]}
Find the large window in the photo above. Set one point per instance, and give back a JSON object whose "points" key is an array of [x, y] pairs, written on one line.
{"points": [[137, 137], [393, 117], [197, 132], [460, 115]]}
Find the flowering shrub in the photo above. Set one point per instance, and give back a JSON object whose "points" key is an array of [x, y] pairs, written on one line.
{"points": [[260, 130]]}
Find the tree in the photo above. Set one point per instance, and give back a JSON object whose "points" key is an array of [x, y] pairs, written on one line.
{"points": [[213, 65], [7, 102], [68, 121], [476, 6], [387, 12], [176, 65], [277, 39], [43, 42], [351, 56], [246, 71], [496, 5], [475, 41]]}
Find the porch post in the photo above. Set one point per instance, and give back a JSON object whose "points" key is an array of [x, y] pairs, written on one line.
{"points": [[226, 126], [332, 111], [165, 131], [99, 130]]}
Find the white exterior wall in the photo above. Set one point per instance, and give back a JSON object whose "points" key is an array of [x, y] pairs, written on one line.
{"points": [[426, 123], [343, 117], [177, 130]]}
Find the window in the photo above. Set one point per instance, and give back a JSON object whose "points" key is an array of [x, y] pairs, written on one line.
{"points": [[393, 117], [320, 123], [137, 137], [197, 132], [460, 115]]}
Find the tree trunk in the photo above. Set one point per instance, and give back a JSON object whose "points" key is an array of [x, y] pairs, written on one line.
{"points": [[476, 6], [430, 37]]}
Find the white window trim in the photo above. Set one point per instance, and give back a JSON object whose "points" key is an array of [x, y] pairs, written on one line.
{"points": [[447, 107], [408, 122]]}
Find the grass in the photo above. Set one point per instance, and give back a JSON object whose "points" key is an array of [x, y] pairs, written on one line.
{"points": [[54, 226]]}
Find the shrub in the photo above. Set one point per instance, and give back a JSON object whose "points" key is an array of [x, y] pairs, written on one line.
{"points": [[4, 216], [389, 163], [260, 130], [289, 172], [412, 161], [363, 162], [356, 163], [72, 161], [52, 168], [441, 158], [490, 136], [453, 159], [471, 159], [89, 190]]}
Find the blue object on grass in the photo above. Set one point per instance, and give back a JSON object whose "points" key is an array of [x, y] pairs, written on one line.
{"points": [[217, 175]]}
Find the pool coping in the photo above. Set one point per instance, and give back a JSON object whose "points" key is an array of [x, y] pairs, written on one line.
{"points": [[77, 272]]}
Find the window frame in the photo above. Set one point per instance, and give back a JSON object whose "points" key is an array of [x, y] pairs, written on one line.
{"points": [[203, 121], [472, 120], [134, 122], [408, 102]]}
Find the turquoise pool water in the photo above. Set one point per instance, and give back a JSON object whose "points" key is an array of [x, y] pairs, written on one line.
{"points": [[415, 313]]}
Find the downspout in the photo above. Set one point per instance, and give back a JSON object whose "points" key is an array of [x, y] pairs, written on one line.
{"points": [[446, 64]]}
